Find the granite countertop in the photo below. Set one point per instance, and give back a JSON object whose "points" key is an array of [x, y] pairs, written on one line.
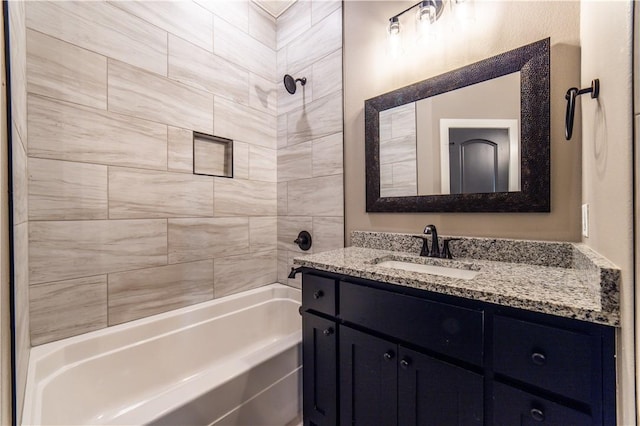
{"points": [[564, 279]]}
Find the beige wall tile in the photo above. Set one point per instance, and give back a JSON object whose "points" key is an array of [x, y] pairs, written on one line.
{"points": [[258, 269], [234, 12], [327, 74], [320, 9], [182, 18], [263, 164], [321, 196], [18, 58], [263, 233], [67, 308], [240, 160], [63, 71], [283, 270], [328, 233], [262, 26], [196, 239], [141, 194], [138, 294], [242, 49], [327, 155], [102, 28], [63, 190], [241, 123], [201, 69], [282, 130], [72, 249], [180, 150], [293, 22], [288, 229], [141, 94], [20, 180], [281, 64], [398, 149], [21, 303], [238, 197], [317, 119], [323, 38], [263, 94], [295, 162], [64, 131], [282, 198]]}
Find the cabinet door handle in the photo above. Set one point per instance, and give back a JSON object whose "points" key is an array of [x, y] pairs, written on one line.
{"points": [[328, 331], [537, 414], [538, 358], [388, 356], [405, 362], [318, 294]]}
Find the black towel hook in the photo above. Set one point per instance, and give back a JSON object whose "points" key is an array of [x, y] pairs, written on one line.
{"points": [[571, 96]]}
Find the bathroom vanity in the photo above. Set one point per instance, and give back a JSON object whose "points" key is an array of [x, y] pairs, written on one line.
{"points": [[515, 343]]}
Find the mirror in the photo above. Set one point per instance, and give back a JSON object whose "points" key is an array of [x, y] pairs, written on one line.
{"points": [[472, 140]]}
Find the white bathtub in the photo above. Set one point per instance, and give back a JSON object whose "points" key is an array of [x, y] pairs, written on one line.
{"points": [[231, 361]]}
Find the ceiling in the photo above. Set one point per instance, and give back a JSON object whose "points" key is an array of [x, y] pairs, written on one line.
{"points": [[274, 7]]}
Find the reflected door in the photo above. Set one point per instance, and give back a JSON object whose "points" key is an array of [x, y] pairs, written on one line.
{"points": [[478, 160]]}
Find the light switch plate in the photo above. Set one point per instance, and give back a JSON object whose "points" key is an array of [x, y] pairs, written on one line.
{"points": [[585, 220]]}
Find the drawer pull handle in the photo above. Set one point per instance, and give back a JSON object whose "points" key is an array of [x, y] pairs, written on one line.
{"points": [[537, 414], [538, 358], [318, 294], [388, 356], [406, 362], [328, 331]]}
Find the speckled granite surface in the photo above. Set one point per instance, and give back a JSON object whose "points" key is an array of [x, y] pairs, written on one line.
{"points": [[565, 279]]}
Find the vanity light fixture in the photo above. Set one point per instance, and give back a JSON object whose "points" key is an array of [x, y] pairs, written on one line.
{"points": [[429, 11]]}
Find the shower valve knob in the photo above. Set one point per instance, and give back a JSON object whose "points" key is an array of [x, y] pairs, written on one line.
{"points": [[303, 241]]}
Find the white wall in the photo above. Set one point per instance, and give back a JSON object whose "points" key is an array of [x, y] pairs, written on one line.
{"points": [[607, 155]]}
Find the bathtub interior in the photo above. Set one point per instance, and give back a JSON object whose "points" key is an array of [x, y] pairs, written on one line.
{"points": [[231, 350]]}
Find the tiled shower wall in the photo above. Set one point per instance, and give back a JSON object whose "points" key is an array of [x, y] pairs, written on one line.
{"points": [[310, 141], [119, 227], [18, 59]]}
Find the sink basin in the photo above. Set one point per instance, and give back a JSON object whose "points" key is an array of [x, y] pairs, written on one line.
{"points": [[444, 271]]}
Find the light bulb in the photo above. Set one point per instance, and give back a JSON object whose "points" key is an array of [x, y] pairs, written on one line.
{"points": [[426, 12], [394, 26]]}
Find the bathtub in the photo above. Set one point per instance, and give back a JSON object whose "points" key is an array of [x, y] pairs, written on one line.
{"points": [[230, 361]]}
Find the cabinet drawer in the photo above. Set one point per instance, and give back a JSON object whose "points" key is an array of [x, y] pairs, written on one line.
{"points": [[554, 359], [319, 294], [515, 407], [442, 328]]}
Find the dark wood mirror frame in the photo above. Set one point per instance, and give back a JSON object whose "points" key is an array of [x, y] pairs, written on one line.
{"points": [[533, 62]]}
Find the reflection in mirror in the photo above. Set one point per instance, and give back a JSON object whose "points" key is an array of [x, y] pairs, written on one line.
{"points": [[474, 139], [398, 168], [463, 141]]}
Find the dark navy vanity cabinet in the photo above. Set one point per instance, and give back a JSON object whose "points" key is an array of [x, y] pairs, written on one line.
{"points": [[381, 354]]}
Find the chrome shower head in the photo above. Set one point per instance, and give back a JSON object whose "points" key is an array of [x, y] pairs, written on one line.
{"points": [[290, 83]]}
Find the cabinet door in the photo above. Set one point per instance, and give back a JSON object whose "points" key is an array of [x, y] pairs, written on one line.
{"points": [[432, 392], [319, 373], [368, 379]]}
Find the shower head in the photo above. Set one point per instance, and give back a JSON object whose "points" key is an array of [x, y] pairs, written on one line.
{"points": [[290, 83]]}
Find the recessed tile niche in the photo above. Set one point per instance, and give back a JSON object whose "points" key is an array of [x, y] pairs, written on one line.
{"points": [[212, 155]]}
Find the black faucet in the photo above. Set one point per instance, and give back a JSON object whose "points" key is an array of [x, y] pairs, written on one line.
{"points": [[435, 246]]}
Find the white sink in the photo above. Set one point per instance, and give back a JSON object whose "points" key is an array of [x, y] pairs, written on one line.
{"points": [[444, 271]]}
